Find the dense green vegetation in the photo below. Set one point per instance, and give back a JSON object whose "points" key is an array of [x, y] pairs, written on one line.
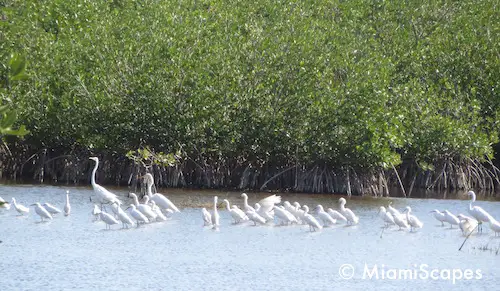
{"points": [[301, 95]]}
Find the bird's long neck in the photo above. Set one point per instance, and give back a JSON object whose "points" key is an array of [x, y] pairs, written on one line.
{"points": [[150, 187], [67, 198], [92, 179], [136, 201], [245, 201], [227, 205], [471, 201], [215, 205]]}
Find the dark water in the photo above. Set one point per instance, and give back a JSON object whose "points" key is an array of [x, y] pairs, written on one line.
{"points": [[75, 253]]}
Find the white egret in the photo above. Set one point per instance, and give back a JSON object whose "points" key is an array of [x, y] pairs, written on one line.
{"points": [[159, 215], [494, 225], [238, 216], [145, 209], [400, 221], [451, 218], [349, 215], [41, 211], [467, 224], [310, 220], [439, 216], [103, 195], [21, 209], [240, 212], [477, 212], [324, 216], [290, 209], [255, 217], [4, 204], [108, 219], [299, 213], [51, 208], [245, 203], [122, 215], [386, 216], [160, 199], [207, 217], [267, 215], [413, 221], [215, 215], [393, 210], [284, 215], [137, 215], [67, 206], [336, 215], [95, 212]]}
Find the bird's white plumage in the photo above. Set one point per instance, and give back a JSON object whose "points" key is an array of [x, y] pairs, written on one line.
{"points": [[284, 215], [122, 215], [310, 220], [207, 217], [237, 215], [413, 221], [336, 215], [255, 217], [494, 225], [245, 203], [349, 215], [451, 218], [144, 208], [386, 216], [324, 216], [439, 216], [467, 224], [41, 211], [161, 200], [21, 209], [215, 215], [108, 219], [477, 212], [67, 206], [137, 215], [51, 208], [103, 195]]}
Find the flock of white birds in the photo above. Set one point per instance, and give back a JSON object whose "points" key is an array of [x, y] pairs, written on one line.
{"points": [[157, 207]]}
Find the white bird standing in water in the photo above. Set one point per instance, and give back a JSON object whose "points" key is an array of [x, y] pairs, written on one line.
{"points": [[215, 215], [207, 217], [310, 220], [159, 215], [255, 217], [21, 209], [324, 216], [67, 206], [245, 203], [439, 216], [137, 215], [41, 211], [51, 208], [284, 215], [477, 212], [95, 212], [400, 221], [349, 215], [413, 221], [494, 225], [467, 224], [450, 218], [103, 195], [238, 216], [143, 208], [386, 216], [393, 210], [122, 215], [160, 199], [108, 219], [336, 215]]}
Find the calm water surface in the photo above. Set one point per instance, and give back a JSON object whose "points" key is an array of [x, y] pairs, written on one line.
{"points": [[73, 252]]}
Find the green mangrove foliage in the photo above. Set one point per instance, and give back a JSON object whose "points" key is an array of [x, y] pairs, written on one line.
{"points": [[319, 96]]}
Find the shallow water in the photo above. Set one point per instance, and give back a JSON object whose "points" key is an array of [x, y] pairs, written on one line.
{"points": [[75, 253]]}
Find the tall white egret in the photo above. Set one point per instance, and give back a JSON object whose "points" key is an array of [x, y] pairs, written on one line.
{"points": [[336, 215], [477, 212], [160, 199], [137, 215], [386, 216], [207, 217], [413, 221], [122, 215], [145, 209], [215, 215], [51, 208], [67, 206], [467, 224], [400, 221], [21, 209], [238, 216], [284, 215], [41, 211], [310, 220], [349, 215], [324, 216], [494, 225], [108, 219], [439, 216], [245, 203], [451, 218], [103, 195]]}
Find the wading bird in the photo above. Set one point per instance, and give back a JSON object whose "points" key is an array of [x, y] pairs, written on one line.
{"points": [[477, 212], [348, 214], [103, 195], [21, 209], [160, 199], [67, 206], [215, 215], [41, 211], [413, 221], [439, 216]]}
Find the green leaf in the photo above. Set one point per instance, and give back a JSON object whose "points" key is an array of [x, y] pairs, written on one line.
{"points": [[17, 64], [21, 131], [8, 119]]}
